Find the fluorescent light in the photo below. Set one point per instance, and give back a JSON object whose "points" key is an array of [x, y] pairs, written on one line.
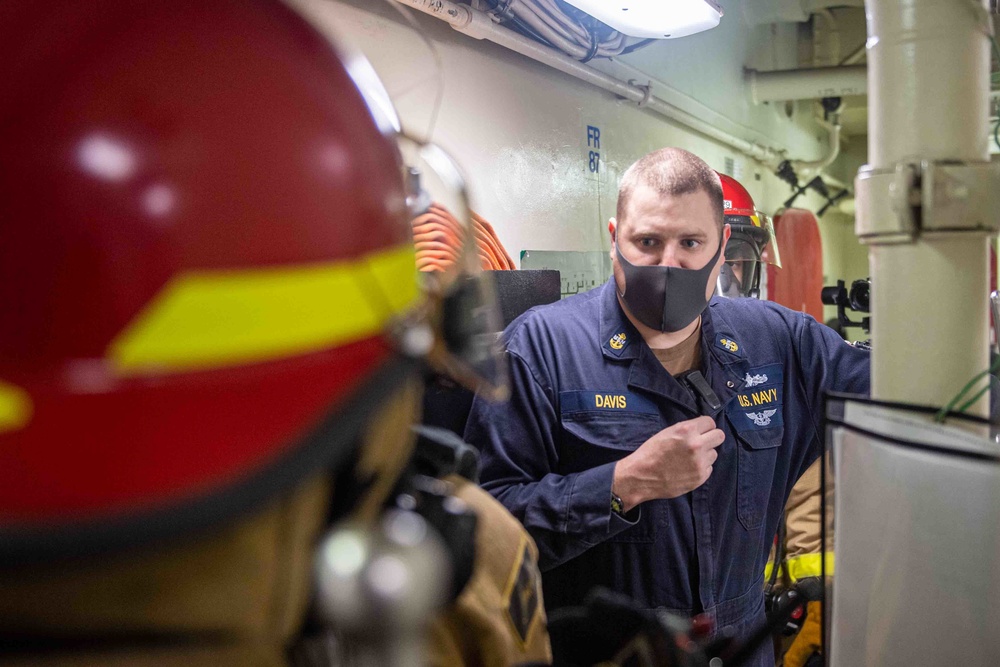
{"points": [[654, 18]]}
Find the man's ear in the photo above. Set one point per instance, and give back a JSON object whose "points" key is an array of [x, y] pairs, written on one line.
{"points": [[727, 231]]}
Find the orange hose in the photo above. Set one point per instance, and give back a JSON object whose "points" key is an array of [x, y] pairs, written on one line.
{"points": [[438, 237]]}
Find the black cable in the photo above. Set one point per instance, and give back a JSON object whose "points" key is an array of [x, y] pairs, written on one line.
{"points": [[501, 10], [832, 201], [781, 551], [636, 46], [595, 44], [777, 555]]}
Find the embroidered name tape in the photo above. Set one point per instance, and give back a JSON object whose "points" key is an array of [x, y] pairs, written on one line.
{"points": [[605, 401]]}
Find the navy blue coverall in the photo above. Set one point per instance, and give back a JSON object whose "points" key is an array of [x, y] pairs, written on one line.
{"points": [[587, 391]]}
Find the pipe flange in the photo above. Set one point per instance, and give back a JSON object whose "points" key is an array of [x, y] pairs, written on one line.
{"points": [[959, 196], [898, 204], [882, 198]]}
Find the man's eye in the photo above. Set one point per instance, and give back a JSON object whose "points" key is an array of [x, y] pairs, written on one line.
{"points": [[647, 242], [690, 244]]}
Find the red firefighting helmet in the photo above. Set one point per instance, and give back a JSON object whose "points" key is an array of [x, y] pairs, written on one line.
{"points": [[204, 241], [751, 243]]}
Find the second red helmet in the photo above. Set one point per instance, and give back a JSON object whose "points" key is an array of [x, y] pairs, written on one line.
{"points": [[752, 242]]}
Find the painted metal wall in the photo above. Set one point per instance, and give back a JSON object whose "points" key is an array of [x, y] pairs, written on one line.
{"points": [[525, 134]]}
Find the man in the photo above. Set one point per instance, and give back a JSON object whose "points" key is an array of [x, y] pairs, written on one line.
{"points": [[207, 350], [650, 440]]}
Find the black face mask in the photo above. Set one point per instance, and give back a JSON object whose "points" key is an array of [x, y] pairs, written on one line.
{"points": [[666, 298]]}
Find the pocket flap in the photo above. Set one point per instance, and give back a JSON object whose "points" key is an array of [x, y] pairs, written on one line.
{"points": [[622, 432], [762, 438]]}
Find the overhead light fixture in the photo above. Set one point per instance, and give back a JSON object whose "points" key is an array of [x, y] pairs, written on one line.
{"points": [[659, 19]]}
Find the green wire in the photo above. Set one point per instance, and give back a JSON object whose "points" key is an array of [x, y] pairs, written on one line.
{"points": [[943, 412], [996, 128]]}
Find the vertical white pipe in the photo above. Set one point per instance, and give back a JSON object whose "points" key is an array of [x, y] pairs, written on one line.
{"points": [[928, 81], [929, 325], [928, 87]]}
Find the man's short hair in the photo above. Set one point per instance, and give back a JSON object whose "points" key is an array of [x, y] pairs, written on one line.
{"points": [[671, 172]]}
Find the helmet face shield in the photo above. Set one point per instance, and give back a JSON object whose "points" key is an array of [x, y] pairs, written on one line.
{"points": [[728, 284], [462, 317], [751, 244], [769, 250], [740, 274]]}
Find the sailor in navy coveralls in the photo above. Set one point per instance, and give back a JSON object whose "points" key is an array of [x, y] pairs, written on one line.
{"points": [[663, 489]]}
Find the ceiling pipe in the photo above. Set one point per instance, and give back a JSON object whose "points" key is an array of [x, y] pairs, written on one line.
{"points": [[762, 12], [479, 25], [807, 83], [812, 166]]}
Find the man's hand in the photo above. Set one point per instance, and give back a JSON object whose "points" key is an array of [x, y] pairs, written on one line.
{"points": [[676, 460]]}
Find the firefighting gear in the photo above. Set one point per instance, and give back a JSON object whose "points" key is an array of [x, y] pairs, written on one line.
{"points": [[185, 324], [378, 588], [441, 452], [798, 551], [196, 340], [666, 298], [800, 545], [496, 616], [235, 596], [803, 517], [752, 242], [808, 642], [498, 619]]}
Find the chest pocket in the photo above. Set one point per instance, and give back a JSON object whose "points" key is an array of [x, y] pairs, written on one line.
{"points": [[756, 417], [604, 427]]}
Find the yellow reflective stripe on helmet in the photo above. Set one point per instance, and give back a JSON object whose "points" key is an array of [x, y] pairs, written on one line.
{"points": [[15, 407], [212, 319], [806, 565]]}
